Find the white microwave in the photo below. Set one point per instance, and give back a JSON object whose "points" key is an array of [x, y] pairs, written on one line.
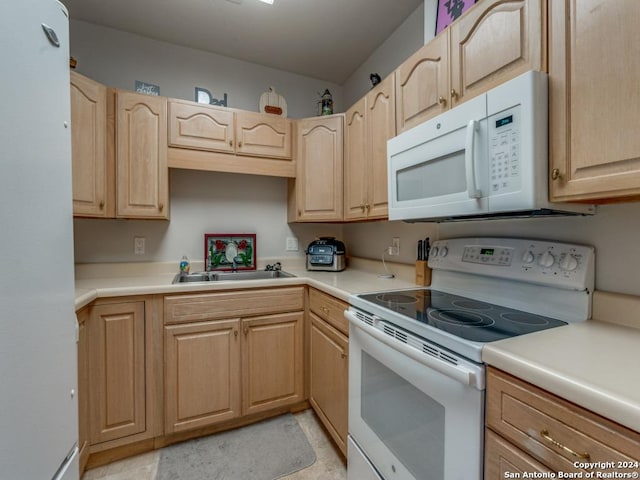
{"points": [[485, 158]]}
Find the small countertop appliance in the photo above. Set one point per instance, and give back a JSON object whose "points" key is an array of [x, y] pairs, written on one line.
{"points": [[326, 254]]}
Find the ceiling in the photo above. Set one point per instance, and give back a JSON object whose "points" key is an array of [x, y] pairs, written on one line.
{"points": [[324, 39]]}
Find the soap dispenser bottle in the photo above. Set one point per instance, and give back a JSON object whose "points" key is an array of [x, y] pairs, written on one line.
{"points": [[184, 264]]}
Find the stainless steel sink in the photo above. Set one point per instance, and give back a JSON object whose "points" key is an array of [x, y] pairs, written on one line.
{"points": [[224, 276]]}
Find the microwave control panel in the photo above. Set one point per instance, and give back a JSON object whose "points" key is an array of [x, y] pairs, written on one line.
{"points": [[504, 151]]}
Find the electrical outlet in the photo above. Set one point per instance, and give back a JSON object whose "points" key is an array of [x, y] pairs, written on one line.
{"points": [[292, 244], [394, 249], [138, 245]]}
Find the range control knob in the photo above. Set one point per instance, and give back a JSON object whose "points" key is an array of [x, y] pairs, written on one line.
{"points": [[433, 252], [444, 251], [546, 260], [568, 262], [528, 257]]}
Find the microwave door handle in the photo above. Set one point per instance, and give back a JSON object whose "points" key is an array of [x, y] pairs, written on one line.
{"points": [[470, 161]]}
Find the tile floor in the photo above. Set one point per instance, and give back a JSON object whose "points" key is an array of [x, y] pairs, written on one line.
{"points": [[328, 465]]}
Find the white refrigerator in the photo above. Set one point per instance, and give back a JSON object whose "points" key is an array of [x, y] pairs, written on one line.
{"points": [[38, 354]]}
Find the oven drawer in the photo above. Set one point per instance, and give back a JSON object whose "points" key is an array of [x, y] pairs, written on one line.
{"points": [[330, 309], [552, 430]]}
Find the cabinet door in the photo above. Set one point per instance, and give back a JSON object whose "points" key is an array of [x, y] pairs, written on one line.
{"points": [[503, 459], [355, 162], [202, 374], [593, 100], [142, 174], [89, 148], [202, 127], [381, 126], [493, 42], [83, 389], [422, 84], [272, 362], [329, 371], [319, 162], [263, 135], [116, 337]]}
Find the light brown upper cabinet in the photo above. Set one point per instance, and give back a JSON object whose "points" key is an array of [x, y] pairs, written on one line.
{"points": [[422, 84], [206, 137], [316, 193], [594, 100], [491, 43], [141, 156], [93, 182], [369, 124]]}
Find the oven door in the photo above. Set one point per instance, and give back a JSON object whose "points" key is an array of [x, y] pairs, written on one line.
{"points": [[414, 416], [440, 168]]}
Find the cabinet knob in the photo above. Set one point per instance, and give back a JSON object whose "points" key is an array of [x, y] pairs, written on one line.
{"points": [[231, 143], [235, 333], [442, 101], [367, 206], [454, 94], [101, 206], [245, 331], [555, 174], [239, 144], [161, 206], [362, 207]]}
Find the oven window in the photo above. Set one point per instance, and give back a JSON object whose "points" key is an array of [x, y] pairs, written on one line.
{"points": [[433, 178], [406, 420]]}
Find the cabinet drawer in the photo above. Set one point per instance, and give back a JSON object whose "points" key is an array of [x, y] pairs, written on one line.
{"points": [[330, 309], [552, 430], [503, 459], [233, 304]]}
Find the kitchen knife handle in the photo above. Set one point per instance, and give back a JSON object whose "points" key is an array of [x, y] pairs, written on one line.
{"points": [[420, 250]]}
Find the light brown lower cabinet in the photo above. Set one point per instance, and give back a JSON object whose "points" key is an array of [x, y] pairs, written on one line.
{"points": [[83, 388], [272, 361], [202, 374], [329, 364], [530, 429], [117, 376], [329, 372], [226, 346]]}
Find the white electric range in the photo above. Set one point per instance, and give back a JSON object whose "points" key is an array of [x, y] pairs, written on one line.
{"points": [[416, 378]]}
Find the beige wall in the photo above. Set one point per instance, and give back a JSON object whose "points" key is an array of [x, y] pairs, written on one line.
{"points": [[118, 59], [210, 202]]}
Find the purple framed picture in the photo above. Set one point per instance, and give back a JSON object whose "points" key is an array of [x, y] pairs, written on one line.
{"points": [[449, 10]]}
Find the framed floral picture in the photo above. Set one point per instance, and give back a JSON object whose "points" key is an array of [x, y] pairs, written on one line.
{"points": [[229, 251], [449, 10]]}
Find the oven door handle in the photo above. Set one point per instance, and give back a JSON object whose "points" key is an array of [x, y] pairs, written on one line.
{"points": [[457, 372]]}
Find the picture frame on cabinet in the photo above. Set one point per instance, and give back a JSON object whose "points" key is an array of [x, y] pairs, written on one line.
{"points": [[229, 251], [448, 11]]}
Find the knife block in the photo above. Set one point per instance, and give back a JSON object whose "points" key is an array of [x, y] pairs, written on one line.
{"points": [[423, 273]]}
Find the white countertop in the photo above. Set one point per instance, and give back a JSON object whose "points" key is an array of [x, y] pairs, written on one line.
{"points": [[362, 276], [595, 364]]}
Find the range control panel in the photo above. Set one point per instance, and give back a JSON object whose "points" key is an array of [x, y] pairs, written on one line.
{"points": [[536, 261]]}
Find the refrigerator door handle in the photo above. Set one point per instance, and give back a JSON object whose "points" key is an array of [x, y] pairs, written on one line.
{"points": [[51, 35]]}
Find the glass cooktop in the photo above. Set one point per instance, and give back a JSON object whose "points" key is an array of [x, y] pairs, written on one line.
{"points": [[460, 316]]}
